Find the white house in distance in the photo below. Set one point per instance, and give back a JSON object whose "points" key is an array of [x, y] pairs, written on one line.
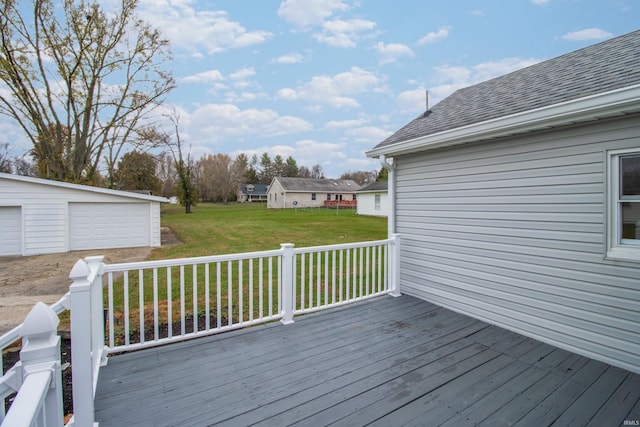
{"points": [[40, 216], [516, 200], [252, 193], [310, 192], [373, 199]]}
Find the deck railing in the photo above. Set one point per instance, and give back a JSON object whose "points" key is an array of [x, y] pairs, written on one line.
{"points": [[151, 303]]}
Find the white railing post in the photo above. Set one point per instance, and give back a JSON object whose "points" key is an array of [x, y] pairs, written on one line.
{"points": [[287, 283], [394, 265], [81, 360], [98, 351], [40, 356]]}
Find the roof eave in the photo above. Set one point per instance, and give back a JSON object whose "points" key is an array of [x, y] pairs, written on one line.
{"points": [[68, 185], [607, 104]]}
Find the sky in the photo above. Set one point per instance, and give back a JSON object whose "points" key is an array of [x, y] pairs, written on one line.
{"points": [[324, 81]]}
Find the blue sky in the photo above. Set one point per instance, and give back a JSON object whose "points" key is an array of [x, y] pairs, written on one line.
{"points": [[326, 80]]}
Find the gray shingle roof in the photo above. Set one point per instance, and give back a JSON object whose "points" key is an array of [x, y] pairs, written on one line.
{"points": [[318, 185], [609, 65], [376, 186], [258, 189]]}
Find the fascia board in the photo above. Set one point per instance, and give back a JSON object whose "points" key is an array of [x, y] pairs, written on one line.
{"points": [[607, 104]]}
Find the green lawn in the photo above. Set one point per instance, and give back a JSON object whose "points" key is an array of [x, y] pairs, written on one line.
{"points": [[235, 228], [223, 229]]}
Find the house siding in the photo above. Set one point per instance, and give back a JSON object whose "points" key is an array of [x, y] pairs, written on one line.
{"points": [[512, 232], [367, 204]]}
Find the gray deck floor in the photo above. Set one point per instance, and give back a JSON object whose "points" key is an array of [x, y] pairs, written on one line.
{"points": [[388, 361]]}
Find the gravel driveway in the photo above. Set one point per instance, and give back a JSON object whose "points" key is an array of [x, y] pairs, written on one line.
{"points": [[26, 280]]}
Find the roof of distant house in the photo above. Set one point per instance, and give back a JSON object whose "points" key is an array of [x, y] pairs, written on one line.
{"points": [[375, 187], [600, 68], [312, 185], [256, 189]]}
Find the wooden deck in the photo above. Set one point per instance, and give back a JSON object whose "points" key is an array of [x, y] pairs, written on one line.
{"points": [[388, 361]]}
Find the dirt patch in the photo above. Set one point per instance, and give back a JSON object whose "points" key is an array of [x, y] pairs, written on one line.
{"points": [[24, 281]]}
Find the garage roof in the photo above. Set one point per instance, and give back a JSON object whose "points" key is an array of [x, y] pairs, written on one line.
{"points": [[68, 185]]}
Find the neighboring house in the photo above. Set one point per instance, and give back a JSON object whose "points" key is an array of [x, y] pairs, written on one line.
{"points": [[310, 192], [373, 199], [252, 193], [39, 216], [518, 201]]}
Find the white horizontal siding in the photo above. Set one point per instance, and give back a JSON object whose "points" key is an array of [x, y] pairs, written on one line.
{"points": [[367, 204], [512, 231], [45, 213]]}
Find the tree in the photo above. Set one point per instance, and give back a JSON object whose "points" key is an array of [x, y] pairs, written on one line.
{"points": [[316, 172], [240, 170], [166, 173], [215, 178], [290, 167], [185, 188], [383, 175], [5, 160], [137, 171], [266, 169], [79, 81], [360, 177]]}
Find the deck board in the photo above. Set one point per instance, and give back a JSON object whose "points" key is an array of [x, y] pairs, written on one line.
{"points": [[388, 361]]}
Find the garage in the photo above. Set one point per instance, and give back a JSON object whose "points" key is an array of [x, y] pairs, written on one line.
{"points": [[11, 230], [41, 216], [108, 225]]}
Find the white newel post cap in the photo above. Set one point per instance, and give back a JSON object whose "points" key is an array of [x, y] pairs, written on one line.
{"points": [[79, 272], [40, 332]]}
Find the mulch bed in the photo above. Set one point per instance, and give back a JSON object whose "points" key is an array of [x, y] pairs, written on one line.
{"points": [[12, 355]]}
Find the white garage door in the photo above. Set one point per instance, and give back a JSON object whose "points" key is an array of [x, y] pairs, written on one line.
{"points": [[10, 230], [108, 225]]}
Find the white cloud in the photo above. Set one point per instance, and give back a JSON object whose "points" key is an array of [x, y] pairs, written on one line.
{"points": [[392, 52], [451, 78], [411, 100], [290, 58], [194, 30], [337, 91], [540, 2], [220, 122], [233, 97], [309, 152], [368, 134], [433, 36], [587, 34], [305, 13], [340, 33], [342, 124], [203, 77], [242, 74]]}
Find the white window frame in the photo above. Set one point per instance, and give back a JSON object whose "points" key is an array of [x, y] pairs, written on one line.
{"points": [[376, 201], [618, 248]]}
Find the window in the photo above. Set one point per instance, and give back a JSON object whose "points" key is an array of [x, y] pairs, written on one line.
{"points": [[328, 196], [623, 210], [377, 205], [353, 197], [313, 196]]}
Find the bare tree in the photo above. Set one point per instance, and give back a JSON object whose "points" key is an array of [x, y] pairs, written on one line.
{"points": [[79, 81], [184, 166], [5, 160], [360, 177]]}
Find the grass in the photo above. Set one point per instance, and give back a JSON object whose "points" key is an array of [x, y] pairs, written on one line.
{"points": [[223, 229], [228, 229]]}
